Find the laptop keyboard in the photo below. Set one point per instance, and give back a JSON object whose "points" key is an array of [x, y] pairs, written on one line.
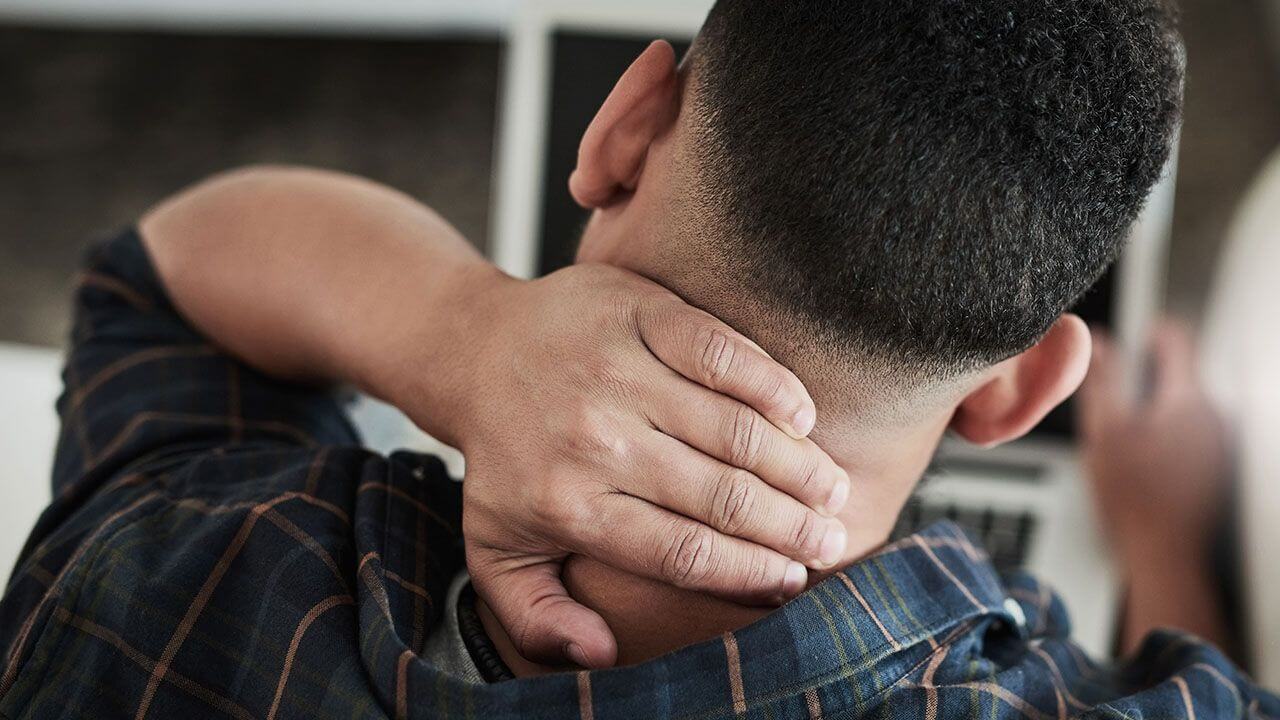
{"points": [[1005, 535]]}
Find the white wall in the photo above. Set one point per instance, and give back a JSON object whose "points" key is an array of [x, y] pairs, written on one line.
{"points": [[405, 17], [347, 16], [29, 384], [1242, 350]]}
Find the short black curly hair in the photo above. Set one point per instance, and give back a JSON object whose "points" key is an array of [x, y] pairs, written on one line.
{"points": [[932, 182]]}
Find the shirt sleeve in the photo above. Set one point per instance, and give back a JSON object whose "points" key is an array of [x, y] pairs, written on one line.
{"points": [[140, 384]]}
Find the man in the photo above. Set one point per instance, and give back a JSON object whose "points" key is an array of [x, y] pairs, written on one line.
{"points": [[897, 200]]}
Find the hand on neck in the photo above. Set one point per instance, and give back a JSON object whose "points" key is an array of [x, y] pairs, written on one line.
{"points": [[650, 618]]}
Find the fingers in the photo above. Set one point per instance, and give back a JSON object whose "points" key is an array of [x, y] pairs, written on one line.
{"points": [[710, 353], [738, 503], [1174, 359], [544, 624], [1104, 355], [643, 539], [1103, 397], [1100, 396], [1103, 379], [740, 437]]}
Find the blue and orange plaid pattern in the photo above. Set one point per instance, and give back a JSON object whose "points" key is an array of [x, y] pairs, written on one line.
{"points": [[220, 546]]}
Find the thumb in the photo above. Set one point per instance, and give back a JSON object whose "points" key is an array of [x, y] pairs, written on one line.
{"points": [[1099, 396], [1174, 352], [545, 625]]}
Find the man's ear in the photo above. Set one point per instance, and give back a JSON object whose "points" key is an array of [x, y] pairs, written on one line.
{"points": [[643, 105], [1023, 389]]}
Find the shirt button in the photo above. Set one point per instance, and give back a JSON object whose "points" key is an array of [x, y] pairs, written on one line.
{"points": [[1014, 609]]}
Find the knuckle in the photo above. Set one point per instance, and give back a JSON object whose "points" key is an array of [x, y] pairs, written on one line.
{"points": [[807, 536], [569, 515], [549, 513], [523, 636], [648, 314], [734, 501], [746, 438], [776, 391], [522, 633], [615, 447], [529, 633], [719, 352], [811, 478], [760, 575], [582, 418], [689, 557], [593, 437]]}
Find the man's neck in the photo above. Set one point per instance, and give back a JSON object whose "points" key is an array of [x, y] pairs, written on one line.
{"points": [[650, 618]]}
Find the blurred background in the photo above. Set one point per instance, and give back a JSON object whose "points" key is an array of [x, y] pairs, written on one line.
{"points": [[473, 107], [108, 105]]}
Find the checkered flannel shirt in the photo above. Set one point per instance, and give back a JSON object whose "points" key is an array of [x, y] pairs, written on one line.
{"points": [[220, 545]]}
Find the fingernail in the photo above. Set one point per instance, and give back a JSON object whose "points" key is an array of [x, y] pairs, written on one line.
{"points": [[797, 577], [802, 422], [839, 496], [833, 545], [575, 653]]}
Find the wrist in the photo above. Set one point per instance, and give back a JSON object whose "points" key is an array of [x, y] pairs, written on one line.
{"points": [[1160, 564], [1176, 593], [428, 363]]}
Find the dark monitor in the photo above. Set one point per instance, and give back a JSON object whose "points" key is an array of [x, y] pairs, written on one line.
{"points": [[585, 66]]}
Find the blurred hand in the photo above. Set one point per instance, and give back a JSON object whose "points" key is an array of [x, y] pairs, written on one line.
{"points": [[1159, 464], [602, 416]]}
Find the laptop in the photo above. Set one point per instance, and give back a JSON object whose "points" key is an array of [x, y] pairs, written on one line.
{"points": [[1026, 501]]}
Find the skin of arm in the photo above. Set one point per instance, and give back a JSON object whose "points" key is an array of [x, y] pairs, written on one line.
{"points": [[554, 390], [1181, 594], [1160, 469], [318, 277]]}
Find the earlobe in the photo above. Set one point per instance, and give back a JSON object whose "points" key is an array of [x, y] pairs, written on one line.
{"points": [[642, 106], [1023, 389]]}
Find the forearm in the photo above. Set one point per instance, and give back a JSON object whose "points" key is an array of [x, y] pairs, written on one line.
{"points": [[1178, 594], [315, 276], [586, 401]]}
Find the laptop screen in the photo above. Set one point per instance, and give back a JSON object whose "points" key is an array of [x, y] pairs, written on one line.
{"points": [[584, 67]]}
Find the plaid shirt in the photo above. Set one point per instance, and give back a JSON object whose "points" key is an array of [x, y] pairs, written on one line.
{"points": [[220, 546]]}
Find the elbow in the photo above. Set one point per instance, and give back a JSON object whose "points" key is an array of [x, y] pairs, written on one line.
{"points": [[248, 179], [225, 198]]}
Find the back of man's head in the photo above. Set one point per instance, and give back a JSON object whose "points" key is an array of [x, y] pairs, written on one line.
{"points": [[898, 199], [921, 187]]}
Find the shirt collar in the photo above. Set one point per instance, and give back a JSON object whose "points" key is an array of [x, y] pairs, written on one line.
{"points": [[857, 627]]}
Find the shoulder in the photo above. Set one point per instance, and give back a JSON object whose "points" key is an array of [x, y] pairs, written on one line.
{"points": [[224, 552], [988, 673]]}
